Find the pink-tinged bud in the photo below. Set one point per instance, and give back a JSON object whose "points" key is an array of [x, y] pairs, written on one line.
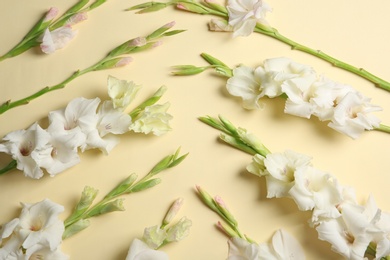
{"points": [[170, 25], [227, 229], [51, 14], [124, 61], [182, 7], [157, 43], [138, 42], [173, 210], [220, 202], [79, 17]]}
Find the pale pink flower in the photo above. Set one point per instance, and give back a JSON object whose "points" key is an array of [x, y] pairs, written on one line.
{"points": [[56, 39]]}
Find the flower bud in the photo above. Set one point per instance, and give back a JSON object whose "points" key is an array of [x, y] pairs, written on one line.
{"points": [[51, 14], [184, 70], [77, 18], [116, 205], [192, 7], [227, 229], [157, 33], [113, 63], [206, 198], [173, 210], [75, 228], [252, 141], [222, 209]]}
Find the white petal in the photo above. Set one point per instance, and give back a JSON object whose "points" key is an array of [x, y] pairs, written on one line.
{"points": [[287, 246], [140, 251]]}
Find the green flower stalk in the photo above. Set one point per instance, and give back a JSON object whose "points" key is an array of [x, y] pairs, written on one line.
{"points": [[31, 39], [84, 209], [115, 58], [209, 8]]}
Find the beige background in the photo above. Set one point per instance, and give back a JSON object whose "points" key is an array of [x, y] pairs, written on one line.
{"points": [[354, 31]]}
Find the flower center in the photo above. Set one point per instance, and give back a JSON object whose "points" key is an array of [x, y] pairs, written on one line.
{"points": [[350, 238], [26, 148]]}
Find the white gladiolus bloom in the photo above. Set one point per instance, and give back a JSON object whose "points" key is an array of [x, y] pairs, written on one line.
{"points": [[282, 72], [356, 228], [110, 122], [39, 252], [351, 116], [246, 83], [79, 117], [153, 119], [240, 249], [244, 14], [25, 146], [328, 95], [63, 153], [140, 251], [39, 224], [281, 169], [56, 39], [121, 92], [314, 189], [283, 247]]}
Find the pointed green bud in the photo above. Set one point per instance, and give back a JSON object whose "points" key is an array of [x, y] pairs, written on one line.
{"points": [[122, 187], [96, 4], [113, 63], [222, 209], [206, 198], [157, 33], [252, 141], [193, 7], [227, 229], [141, 6], [116, 205], [217, 7], [145, 185], [152, 8], [228, 125], [75, 228], [237, 143], [185, 70]]}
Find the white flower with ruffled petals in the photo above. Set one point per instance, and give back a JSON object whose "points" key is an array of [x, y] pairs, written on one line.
{"points": [[281, 169], [26, 146], [352, 115], [78, 117], [63, 152], [283, 247], [246, 84], [154, 119], [244, 14], [318, 190], [39, 224], [121, 92], [110, 122], [139, 250]]}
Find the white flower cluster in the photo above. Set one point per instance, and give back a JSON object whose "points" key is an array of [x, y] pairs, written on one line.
{"points": [[307, 94], [349, 227], [35, 234], [283, 247], [83, 124]]}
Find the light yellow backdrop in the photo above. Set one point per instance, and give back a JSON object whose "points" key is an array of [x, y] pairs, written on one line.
{"points": [[354, 31]]}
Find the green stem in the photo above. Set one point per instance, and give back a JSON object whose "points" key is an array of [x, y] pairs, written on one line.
{"points": [[11, 166], [383, 128], [24, 101], [272, 32]]}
